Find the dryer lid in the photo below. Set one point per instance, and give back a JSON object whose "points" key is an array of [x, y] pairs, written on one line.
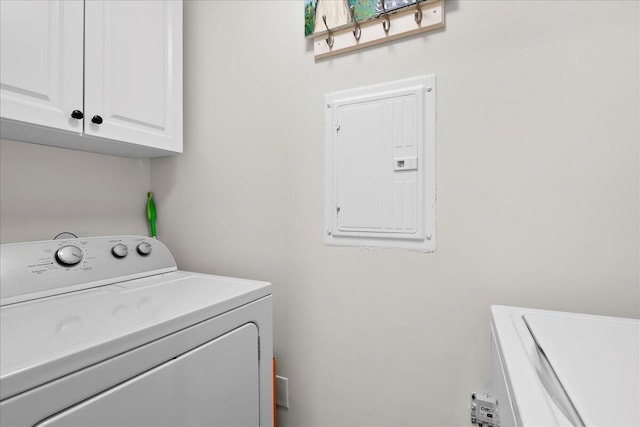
{"points": [[596, 361]]}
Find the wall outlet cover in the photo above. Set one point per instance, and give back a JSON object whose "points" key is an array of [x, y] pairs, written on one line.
{"points": [[282, 391]]}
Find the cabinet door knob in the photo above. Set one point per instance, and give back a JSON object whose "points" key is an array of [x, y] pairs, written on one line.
{"points": [[96, 119], [77, 114]]}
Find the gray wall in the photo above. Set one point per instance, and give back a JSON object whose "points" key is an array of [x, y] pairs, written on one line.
{"points": [[47, 190], [537, 193], [538, 190]]}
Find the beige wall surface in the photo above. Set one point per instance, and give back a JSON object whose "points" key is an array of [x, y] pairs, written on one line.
{"points": [[537, 184], [48, 190]]}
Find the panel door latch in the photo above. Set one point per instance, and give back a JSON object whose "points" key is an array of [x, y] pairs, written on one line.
{"points": [[484, 410]]}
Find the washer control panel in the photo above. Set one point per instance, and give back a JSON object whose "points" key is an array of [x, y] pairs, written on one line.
{"points": [[39, 269]]}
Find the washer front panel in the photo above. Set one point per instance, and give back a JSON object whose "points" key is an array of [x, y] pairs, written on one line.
{"points": [[42, 402], [214, 384]]}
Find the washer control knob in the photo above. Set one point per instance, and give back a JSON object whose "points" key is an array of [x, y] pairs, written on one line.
{"points": [[69, 255], [144, 248], [120, 250]]}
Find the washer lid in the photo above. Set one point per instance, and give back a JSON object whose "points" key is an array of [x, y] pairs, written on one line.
{"points": [[44, 339], [596, 361]]}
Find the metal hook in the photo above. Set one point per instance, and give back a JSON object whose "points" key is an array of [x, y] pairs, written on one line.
{"points": [[356, 31], [417, 15], [386, 24], [329, 38]]}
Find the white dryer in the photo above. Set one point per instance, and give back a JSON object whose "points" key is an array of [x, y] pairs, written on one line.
{"points": [[562, 369], [106, 331]]}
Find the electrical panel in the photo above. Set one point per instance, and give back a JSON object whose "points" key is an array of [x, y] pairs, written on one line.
{"points": [[380, 166]]}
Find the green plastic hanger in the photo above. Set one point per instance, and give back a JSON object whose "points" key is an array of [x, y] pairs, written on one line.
{"points": [[151, 213]]}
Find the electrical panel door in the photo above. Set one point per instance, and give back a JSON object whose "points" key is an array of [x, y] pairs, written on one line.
{"points": [[380, 162]]}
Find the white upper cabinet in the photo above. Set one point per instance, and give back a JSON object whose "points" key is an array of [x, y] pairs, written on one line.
{"points": [[131, 80], [102, 76], [41, 62]]}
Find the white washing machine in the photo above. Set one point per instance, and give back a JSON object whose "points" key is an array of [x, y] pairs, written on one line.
{"points": [[106, 331], [562, 369]]}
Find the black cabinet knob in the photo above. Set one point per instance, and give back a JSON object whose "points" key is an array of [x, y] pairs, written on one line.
{"points": [[77, 114], [96, 119]]}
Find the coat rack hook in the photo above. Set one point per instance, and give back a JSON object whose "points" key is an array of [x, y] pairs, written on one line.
{"points": [[329, 38], [417, 15], [386, 24], [356, 31]]}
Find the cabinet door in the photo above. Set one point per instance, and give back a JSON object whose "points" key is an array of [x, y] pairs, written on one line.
{"points": [[41, 46], [133, 72]]}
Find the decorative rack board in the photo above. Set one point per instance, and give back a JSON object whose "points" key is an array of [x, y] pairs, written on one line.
{"points": [[345, 32]]}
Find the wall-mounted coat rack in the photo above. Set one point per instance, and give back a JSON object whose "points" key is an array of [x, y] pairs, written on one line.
{"points": [[396, 19]]}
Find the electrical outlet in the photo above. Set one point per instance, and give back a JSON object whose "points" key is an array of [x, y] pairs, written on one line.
{"points": [[282, 391]]}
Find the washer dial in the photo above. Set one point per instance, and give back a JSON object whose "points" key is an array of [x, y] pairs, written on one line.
{"points": [[144, 248], [120, 250], [69, 255]]}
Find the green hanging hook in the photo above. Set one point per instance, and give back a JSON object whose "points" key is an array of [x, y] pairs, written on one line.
{"points": [[151, 213]]}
